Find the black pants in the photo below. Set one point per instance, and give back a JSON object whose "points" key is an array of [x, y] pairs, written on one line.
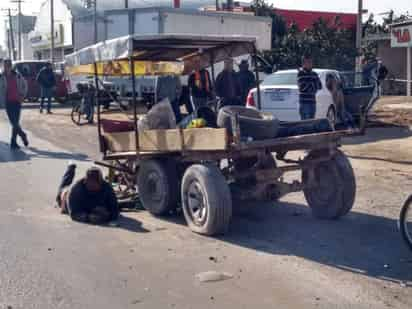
{"points": [[13, 112]]}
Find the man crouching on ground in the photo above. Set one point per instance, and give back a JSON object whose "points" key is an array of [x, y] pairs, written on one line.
{"points": [[89, 200]]}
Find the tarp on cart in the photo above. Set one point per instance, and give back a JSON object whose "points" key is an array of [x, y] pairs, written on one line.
{"points": [[162, 49]]}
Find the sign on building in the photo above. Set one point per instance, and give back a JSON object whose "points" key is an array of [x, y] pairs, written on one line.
{"points": [[401, 36]]}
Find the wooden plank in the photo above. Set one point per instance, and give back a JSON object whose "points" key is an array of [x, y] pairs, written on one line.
{"points": [[160, 140], [121, 142], [205, 139]]}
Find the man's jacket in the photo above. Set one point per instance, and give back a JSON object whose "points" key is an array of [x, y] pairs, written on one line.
{"points": [[46, 78], [21, 87]]}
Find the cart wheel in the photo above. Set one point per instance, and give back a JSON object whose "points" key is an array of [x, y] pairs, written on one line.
{"points": [[206, 200], [334, 194], [158, 186]]}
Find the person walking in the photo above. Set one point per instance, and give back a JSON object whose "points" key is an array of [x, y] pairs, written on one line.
{"points": [[227, 85], [13, 89], [200, 86], [47, 82], [246, 80], [309, 84]]}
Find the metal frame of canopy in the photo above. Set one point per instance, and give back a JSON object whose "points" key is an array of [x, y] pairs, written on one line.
{"points": [[162, 48]]}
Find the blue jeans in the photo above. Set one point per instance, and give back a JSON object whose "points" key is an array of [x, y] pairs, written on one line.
{"points": [[307, 111], [46, 93]]}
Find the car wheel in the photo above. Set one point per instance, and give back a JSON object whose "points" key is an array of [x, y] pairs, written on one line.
{"points": [[331, 116]]}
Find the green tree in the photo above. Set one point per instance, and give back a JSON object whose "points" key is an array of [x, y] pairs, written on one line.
{"points": [[330, 45]]}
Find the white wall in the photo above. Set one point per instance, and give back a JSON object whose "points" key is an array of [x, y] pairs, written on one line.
{"points": [[217, 25], [62, 15]]}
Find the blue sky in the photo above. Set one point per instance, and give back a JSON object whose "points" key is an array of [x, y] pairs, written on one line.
{"points": [[375, 6]]}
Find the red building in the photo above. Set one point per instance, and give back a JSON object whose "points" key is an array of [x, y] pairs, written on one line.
{"points": [[305, 19]]}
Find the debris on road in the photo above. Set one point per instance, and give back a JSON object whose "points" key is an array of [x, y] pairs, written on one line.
{"points": [[213, 276]]}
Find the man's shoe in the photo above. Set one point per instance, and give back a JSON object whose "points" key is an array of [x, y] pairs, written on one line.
{"points": [[14, 147], [41, 111], [25, 141], [49, 112]]}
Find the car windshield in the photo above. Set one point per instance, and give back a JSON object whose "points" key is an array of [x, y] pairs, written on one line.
{"points": [[280, 79]]}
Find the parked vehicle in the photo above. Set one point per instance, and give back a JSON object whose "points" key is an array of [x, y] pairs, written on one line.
{"points": [[280, 95], [29, 70]]}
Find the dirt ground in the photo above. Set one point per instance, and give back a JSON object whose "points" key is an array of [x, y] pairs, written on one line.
{"points": [[360, 258]]}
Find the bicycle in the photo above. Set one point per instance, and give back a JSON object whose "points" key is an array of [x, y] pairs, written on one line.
{"points": [[83, 110], [405, 222]]}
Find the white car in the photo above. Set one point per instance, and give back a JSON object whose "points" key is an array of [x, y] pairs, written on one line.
{"points": [[280, 96]]}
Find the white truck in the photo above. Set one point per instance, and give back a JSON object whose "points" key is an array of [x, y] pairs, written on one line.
{"points": [[122, 22]]}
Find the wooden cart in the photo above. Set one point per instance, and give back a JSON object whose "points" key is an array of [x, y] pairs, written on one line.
{"points": [[204, 170]]}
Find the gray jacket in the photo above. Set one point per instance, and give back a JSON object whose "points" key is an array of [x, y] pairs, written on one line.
{"points": [[21, 87]]}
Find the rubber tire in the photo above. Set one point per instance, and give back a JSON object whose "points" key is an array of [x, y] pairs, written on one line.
{"points": [[167, 173], [407, 206], [252, 123], [342, 182], [217, 195]]}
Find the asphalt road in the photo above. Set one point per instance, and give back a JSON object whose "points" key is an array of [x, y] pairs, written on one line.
{"points": [[277, 255]]}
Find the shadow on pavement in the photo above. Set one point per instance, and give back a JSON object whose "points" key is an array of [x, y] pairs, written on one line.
{"points": [[380, 134], [131, 225], [381, 159], [360, 243], [26, 154]]}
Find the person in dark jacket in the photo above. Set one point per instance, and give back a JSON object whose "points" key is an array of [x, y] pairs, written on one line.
{"points": [[200, 85], [90, 199], [309, 84], [227, 85], [246, 80], [47, 82]]}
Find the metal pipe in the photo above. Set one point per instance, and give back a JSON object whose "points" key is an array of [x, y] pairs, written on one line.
{"points": [[255, 63], [52, 31], [409, 71], [132, 70], [96, 98]]}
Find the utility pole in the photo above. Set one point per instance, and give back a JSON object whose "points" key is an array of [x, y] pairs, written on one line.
{"points": [[8, 38], [359, 35], [126, 4], [12, 36], [52, 31], [95, 21], [19, 26]]}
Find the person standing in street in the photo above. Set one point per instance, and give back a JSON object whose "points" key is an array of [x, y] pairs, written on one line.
{"points": [[47, 82], [13, 89], [246, 79], [227, 85], [200, 85], [309, 84]]}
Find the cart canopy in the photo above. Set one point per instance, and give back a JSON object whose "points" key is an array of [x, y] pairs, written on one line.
{"points": [[164, 48]]}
